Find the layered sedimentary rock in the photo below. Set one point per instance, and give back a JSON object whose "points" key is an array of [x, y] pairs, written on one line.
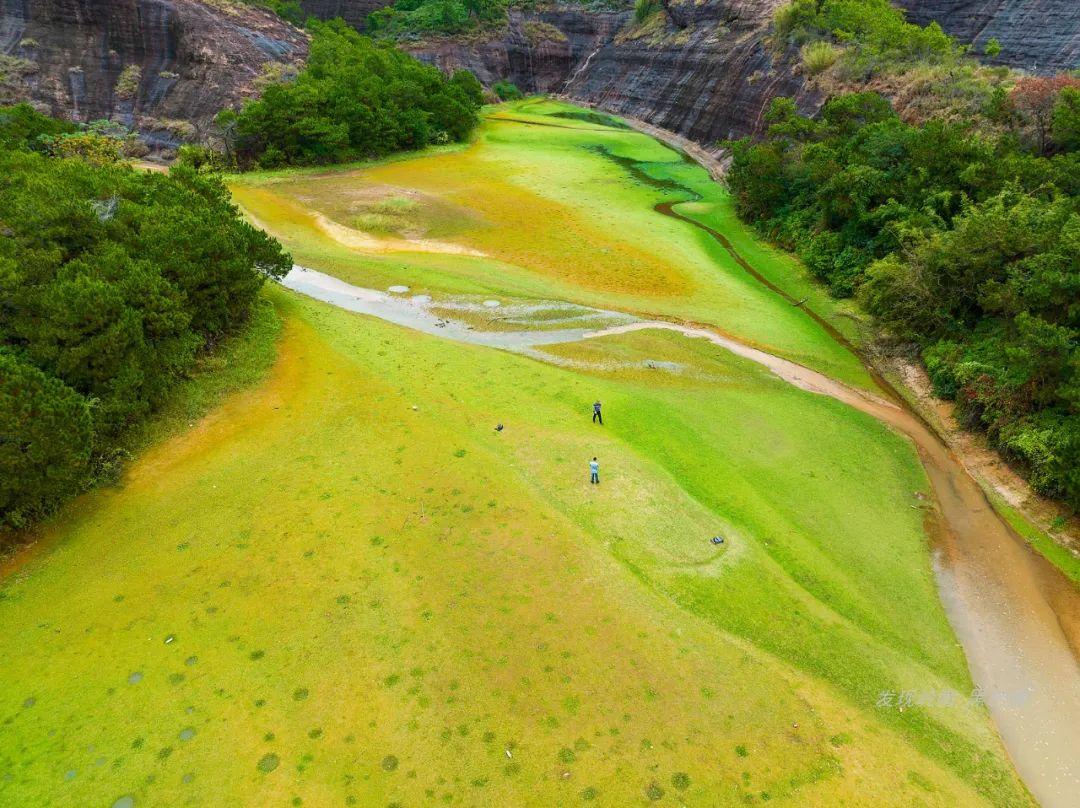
{"points": [[159, 66], [706, 72], [702, 69], [1037, 35], [538, 51]]}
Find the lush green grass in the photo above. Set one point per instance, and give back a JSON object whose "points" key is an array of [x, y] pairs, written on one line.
{"points": [[344, 586], [562, 209], [358, 582], [1058, 555], [238, 362]]}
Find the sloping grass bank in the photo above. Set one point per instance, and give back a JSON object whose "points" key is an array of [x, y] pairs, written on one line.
{"points": [[320, 592]]}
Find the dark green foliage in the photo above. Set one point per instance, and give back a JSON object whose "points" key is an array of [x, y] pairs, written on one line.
{"points": [[643, 9], [45, 440], [286, 9], [23, 127], [506, 91], [966, 245], [1066, 119], [411, 18], [111, 282], [354, 99]]}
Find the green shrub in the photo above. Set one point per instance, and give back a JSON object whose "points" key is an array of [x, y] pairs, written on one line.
{"points": [[45, 441], [875, 33], [506, 91], [95, 149], [817, 57], [201, 158], [288, 10], [411, 18], [127, 83], [794, 20], [538, 32], [354, 99], [643, 9], [1065, 125], [23, 127], [275, 73]]}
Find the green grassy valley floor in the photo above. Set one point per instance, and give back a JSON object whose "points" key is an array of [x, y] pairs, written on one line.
{"points": [[343, 586], [560, 209]]}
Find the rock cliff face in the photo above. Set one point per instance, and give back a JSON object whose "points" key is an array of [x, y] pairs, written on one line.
{"points": [[707, 73], [1037, 35], [160, 66], [702, 70]]}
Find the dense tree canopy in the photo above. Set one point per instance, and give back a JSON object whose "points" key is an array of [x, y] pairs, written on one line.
{"points": [[111, 282], [354, 99], [966, 244], [435, 16]]}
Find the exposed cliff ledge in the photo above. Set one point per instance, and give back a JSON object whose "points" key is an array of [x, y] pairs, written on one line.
{"points": [[180, 60], [1036, 35]]}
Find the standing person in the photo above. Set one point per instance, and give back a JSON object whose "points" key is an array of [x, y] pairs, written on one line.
{"points": [[596, 416], [594, 471]]}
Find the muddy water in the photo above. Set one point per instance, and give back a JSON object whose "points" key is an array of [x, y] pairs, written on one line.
{"points": [[1017, 617]]}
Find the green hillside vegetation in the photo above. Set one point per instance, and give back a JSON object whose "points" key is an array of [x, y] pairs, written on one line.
{"points": [[846, 46], [286, 9], [353, 99], [962, 238], [114, 283], [419, 17]]}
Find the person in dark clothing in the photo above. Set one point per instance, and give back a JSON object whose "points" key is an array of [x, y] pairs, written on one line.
{"points": [[596, 416]]}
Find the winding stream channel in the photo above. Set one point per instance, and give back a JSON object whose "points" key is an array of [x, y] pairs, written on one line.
{"points": [[1016, 615]]}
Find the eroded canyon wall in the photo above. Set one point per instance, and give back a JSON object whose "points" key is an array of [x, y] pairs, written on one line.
{"points": [[703, 70], [153, 65], [1037, 35]]}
